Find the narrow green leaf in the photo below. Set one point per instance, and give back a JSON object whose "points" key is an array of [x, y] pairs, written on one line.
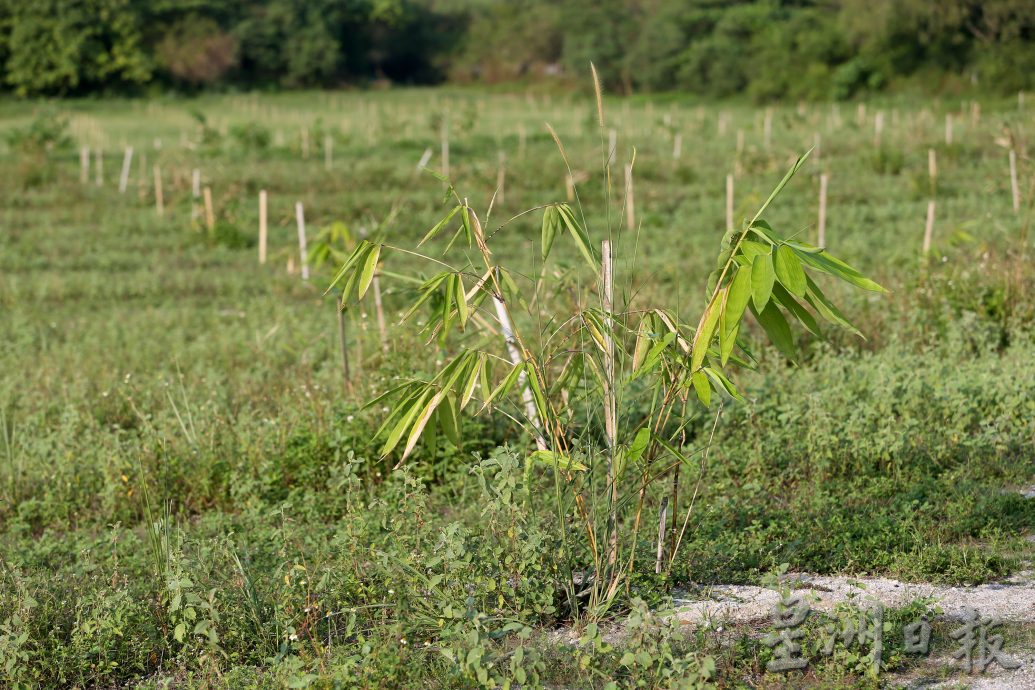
{"points": [[578, 234], [439, 225], [557, 460], [776, 327], [826, 263], [789, 270], [702, 387], [551, 221], [795, 307], [763, 275], [706, 329], [369, 268]]}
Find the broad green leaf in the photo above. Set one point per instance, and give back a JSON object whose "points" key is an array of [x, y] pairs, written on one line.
{"points": [[763, 275], [439, 225], [789, 270], [706, 329], [449, 418], [703, 388], [826, 263], [639, 444], [369, 267], [795, 307], [776, 327], [557, 460], [551, 221], [578, 234]]}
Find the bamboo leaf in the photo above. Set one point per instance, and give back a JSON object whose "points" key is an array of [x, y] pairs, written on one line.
{"points": [[551, 221], [776, 327], [702, 387], [706, 329], [578, 234], [789, 270], [763, 275], [439, 225], [822, 261], [557, 460], [369, 267]]}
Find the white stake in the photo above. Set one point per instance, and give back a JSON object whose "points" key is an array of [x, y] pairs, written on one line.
{"points": [[729, 203], [303, 254], [84, 164], [610, 401], [677, 146], [878, 128], [1014, 188], [423, 162], [127, 161], [948, 129], [821, 234], [928, 227], [932, 167], [262, 226]]}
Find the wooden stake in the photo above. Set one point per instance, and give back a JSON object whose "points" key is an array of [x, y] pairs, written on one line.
{"points": [[821, 233], [878, 128], [948, 129], [677, 146], [262, 226], [375, 284], [210, 215], [932, 169], [159, 201], [1014, 188], [928, 227], [303, 254], [630, 202], [127, 161], [84, 164], [729, 203], [569, 186]]}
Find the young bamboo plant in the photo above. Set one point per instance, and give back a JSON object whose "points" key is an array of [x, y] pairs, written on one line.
{"points": [[604, 392]]}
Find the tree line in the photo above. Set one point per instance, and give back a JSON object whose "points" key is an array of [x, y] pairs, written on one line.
{"points": [[766, 49]]}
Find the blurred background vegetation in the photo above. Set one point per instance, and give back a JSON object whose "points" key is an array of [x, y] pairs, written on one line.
{"points": [[766, 49]]}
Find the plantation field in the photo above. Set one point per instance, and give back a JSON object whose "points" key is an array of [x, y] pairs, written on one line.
{"points": [[192, 495]]}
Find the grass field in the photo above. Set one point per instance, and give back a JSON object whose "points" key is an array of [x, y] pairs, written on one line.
{"points": [[190, 495]]}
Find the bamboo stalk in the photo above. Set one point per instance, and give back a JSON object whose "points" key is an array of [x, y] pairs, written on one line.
{"points": [[303, 254], [932, 168], [263, 230], [662, 519], [610, 402]]}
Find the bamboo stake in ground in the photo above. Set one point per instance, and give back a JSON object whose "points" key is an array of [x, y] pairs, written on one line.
{"points": [[262, 226], [127, 161], [928, 227], [729, 203], [821, 232], [1014, 188], [300, 221], [569, 186], [677, 146], [84, 164], [375, 285], [210, 215], [932, 169], [948, 129], [630, 202], [610, 402], [159, 200], [501, 178], [662, 519], [878, 128]]}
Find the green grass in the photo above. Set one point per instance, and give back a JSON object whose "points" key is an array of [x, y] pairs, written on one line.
{"points": [[144, 357]]}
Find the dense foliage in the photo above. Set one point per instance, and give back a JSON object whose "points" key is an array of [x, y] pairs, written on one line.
{"points": [[765, 48]]}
